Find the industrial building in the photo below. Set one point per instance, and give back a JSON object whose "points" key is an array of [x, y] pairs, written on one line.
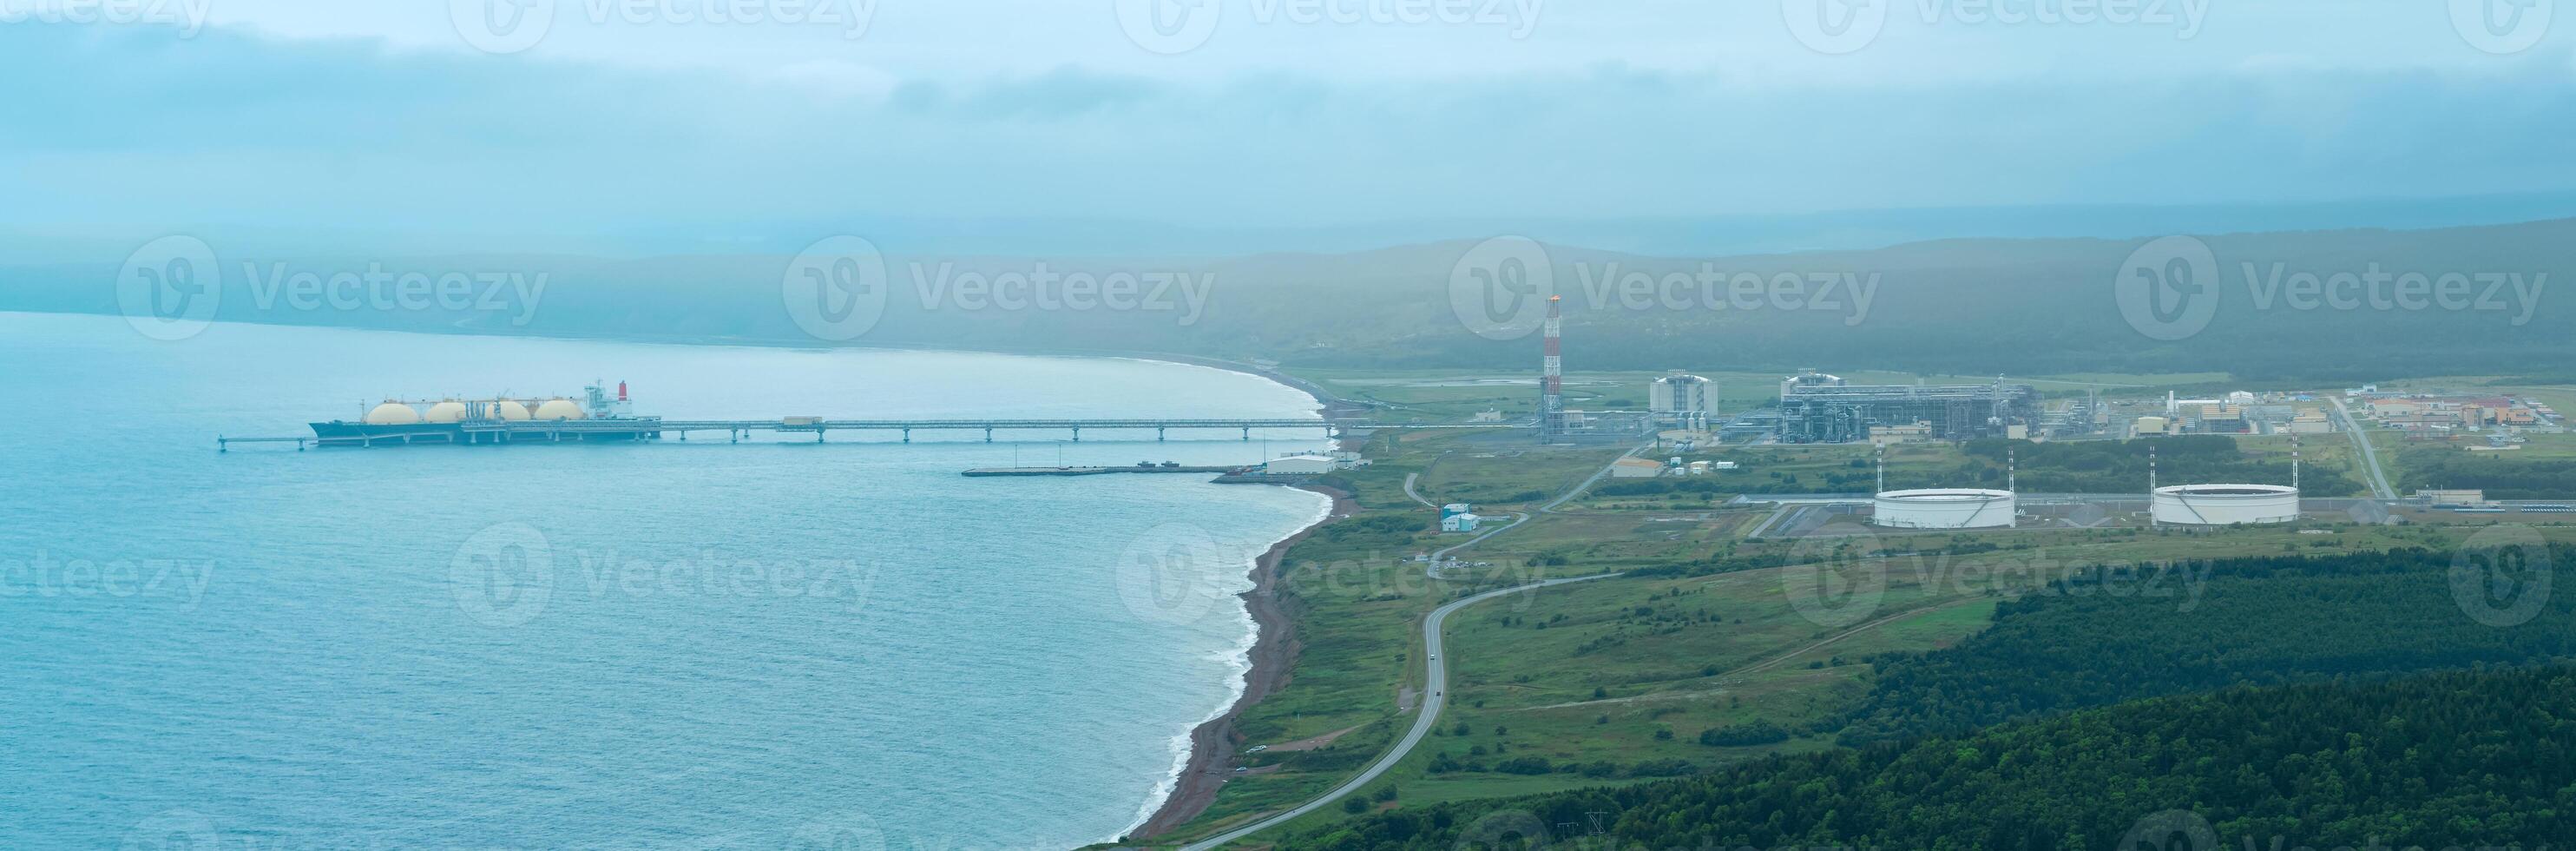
{"points": [[1682, 400], [1460, 523], [1820, 408]]}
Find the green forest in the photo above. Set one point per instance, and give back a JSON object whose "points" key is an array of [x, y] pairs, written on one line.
{"points": [[2253, 621], [2465, 758], [2501, 478]]}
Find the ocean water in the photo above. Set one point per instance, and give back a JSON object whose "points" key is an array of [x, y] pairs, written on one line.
{"points": [[681, 645]]}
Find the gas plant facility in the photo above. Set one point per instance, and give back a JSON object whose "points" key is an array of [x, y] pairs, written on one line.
{"points": [[1820, 408]]}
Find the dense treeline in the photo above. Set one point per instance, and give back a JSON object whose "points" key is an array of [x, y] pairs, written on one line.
{"points": [[2470, 759], [2097, 466], [2502, 477], [2088, 642]]}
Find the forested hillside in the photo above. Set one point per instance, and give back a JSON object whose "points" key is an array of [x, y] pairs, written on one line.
{"points": [[2251, 621], [2442, 760]]}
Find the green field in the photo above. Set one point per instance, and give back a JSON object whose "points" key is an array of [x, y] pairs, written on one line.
{"points": [[1614, 682]]}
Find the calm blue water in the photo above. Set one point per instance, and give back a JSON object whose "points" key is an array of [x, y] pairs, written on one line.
{"points": [[691, 645]]}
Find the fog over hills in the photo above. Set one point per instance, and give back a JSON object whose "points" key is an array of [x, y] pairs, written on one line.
{"points": [[2483, 304]]}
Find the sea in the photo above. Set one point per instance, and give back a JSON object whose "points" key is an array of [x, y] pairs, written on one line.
{"points": [[700, 644]]}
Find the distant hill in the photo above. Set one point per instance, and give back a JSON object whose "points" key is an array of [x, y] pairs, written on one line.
{"points": [[1972, 306]]}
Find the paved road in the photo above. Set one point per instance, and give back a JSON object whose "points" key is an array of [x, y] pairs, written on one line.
{"points": [[1422, 722], [1409, 480], [2369, 454]]}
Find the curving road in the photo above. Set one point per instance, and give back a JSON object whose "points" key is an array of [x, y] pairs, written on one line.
{"points": [[1437, 678], [1438, 681]]}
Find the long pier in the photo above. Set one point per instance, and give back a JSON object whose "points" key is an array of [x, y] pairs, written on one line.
{"points": [[557, 431]]}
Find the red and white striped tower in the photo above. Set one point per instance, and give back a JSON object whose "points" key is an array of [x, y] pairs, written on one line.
{"points": [[1551, 375]]}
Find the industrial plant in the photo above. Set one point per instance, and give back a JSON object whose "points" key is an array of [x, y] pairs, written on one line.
{"points": [[1820, 408]]}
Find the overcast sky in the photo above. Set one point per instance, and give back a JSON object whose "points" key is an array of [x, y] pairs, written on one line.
{"points": [[609, 116]]}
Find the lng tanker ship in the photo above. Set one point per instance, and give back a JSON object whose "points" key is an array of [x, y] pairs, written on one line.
{"points": [[474, 420]]}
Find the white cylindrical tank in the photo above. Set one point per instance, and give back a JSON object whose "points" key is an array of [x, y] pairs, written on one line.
{"points": [[1944, 508], [559, 409], [449, 411], [2226, 505], [392, 413]]}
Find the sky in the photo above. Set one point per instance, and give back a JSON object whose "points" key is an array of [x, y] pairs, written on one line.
{"points": [[533, 123]]}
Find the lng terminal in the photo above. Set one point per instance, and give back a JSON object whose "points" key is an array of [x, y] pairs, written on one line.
{"points": [[605, 413]]}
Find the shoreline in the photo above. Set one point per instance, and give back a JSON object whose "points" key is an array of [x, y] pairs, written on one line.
{"points": [[1273, 654]]}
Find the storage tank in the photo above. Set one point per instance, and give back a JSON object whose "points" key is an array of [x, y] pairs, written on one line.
{"points": [[506, 410], [559, 409], [449, 411], [392, 413], [1944, 508], [2226, 505]]}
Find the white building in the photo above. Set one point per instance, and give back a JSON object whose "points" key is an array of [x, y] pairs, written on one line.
{"points": [[1636, 468], [1456, 508], [1684, 400], [1459, 523], [1299, 465]]}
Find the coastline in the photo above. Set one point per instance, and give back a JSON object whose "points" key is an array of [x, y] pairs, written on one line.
{"points": [[1273, 654]]}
